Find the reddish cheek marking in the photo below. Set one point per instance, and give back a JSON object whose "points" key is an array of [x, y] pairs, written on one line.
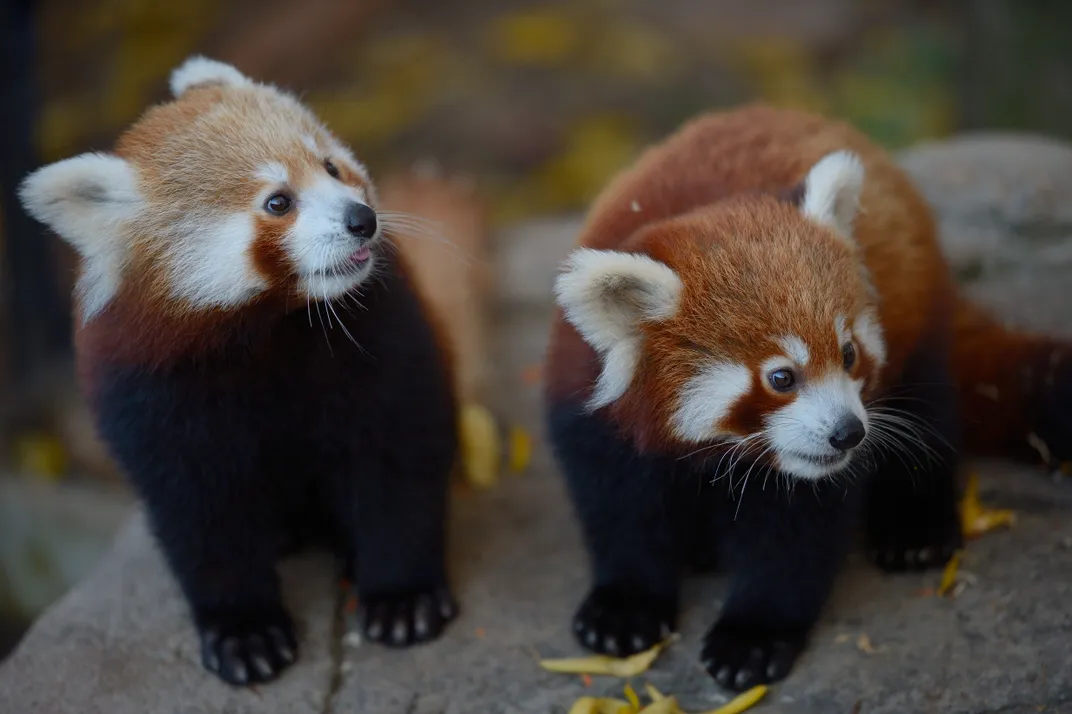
{"points": [[267, 251], [748, 413]]}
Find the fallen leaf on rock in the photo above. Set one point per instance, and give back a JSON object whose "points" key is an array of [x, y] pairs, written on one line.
{"points": [[660, 703], [481, 447], [949, 575], [663, 706], [600, 705], [654, 694], [976, 519], [863, 643], [742, 702], [520, 449], [602, 664]]}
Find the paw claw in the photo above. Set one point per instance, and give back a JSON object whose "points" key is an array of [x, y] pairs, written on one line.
{"points": [[741, 657], [723, 676], [408, 618], [620, 621], [242, 650]]}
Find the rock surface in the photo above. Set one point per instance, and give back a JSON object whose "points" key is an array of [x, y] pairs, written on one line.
{"points": [[1001, 201], [121, 642]]}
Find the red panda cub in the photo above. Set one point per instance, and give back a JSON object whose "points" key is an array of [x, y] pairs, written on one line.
{"points": [[753, 348], [259, 362]]}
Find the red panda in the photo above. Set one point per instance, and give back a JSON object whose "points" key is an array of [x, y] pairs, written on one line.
{"points": [[259, 362], [760, 302]]}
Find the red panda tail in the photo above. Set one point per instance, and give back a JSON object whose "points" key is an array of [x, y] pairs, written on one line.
{"points": [[443, 236], [1015, 389]]}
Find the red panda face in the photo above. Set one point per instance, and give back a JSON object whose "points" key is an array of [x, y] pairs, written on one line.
{"points": [[231, 192], [750, 323]]}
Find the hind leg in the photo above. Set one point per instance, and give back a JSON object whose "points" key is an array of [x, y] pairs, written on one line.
{"points": [[912, 514]]}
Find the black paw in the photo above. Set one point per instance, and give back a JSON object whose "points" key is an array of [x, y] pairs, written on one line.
{"points": [[620, 622], [740, 658], [901, 559], [914, 527], [244, 650], [407, 618]]}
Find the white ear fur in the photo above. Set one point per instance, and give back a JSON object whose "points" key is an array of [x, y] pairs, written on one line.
{"points": [[199, 70], [832, 191], [605, 295], [86, 200]]}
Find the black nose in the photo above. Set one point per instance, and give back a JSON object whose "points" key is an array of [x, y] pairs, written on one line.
{"points": [[360, 220], [848, 433]]}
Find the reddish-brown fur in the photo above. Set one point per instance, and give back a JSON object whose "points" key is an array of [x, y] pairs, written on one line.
{"points": [[184, 153], [1003, 376], [759, 156]]}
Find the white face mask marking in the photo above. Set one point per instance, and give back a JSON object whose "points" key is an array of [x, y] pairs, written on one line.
{"points": [[319, 244], [795, 349], [800, 432], [707, 399], [869, 332], [841, 327], [272, 172], [211, 266]]}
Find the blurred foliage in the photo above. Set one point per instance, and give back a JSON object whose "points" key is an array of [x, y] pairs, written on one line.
{"points": [[542, 101]]}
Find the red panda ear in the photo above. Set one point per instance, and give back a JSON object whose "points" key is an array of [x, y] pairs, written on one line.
{"points": [[199, 71], [84, 199], [88, 200], [831, 194], [606, 295]]}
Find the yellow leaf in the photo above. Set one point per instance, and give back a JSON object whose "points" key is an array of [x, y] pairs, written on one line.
{"points": [[602, 664], [481, 447], [520, 449], [585, 705], [742, 702], [631, 695], [976, 519], [949, 575], [654, 694], [663, 706]]}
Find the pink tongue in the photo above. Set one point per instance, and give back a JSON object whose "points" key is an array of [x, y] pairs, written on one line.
{"points": [[361, 255]]}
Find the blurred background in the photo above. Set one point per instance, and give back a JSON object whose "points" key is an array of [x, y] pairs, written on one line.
{"points": [[539, 102]]}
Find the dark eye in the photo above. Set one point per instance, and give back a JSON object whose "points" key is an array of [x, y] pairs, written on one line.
{"points": [[848, 355], [333, 171], [782, 380], [277, 204]]}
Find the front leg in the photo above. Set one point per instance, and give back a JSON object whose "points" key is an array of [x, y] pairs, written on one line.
{"points": [[192, 452], [396, 513], [216, 529], [784, 550], [912, 518], [625, 505]]}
